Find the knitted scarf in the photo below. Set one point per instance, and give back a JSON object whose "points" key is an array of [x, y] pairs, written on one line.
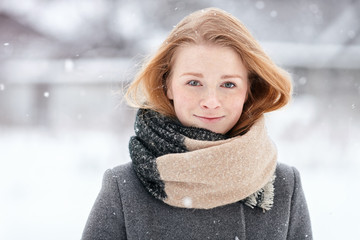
{"points": [[190, 167]]}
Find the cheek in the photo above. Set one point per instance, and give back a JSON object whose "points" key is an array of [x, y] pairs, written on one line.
{"points": [[184, 106], [237, 104], [184, 101], [181, 96]]}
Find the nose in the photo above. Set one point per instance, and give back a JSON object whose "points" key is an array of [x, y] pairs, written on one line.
{"points": [[210, 100]]}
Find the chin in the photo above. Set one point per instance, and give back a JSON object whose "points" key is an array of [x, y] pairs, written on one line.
{"points": [[216, 131]]}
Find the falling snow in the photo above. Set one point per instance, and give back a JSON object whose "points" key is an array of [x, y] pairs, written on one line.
{"points": [[187, 201], [260, 4], [318, 133], [273, 13], [302, 80]]}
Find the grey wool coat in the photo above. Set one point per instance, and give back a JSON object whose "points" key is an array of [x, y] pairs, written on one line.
{"points": [[125, 210]]}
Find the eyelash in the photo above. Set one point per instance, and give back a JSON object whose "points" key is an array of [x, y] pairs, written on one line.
{"points": [[197, 83], [232, 84], [194, 83]]}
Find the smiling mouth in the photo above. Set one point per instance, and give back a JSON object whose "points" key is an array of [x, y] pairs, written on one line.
{"points": [[209, 119]]}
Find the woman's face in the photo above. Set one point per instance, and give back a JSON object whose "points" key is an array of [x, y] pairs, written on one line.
{"points": [[208, 86]]}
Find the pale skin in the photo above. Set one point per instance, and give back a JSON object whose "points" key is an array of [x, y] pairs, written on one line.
{"points": [[208, 86]]}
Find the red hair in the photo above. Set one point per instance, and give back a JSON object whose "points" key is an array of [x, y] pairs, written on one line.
{"points": [[269, 86]]}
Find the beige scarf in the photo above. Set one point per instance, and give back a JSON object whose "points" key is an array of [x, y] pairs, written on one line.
{"points": [[215, 173]]}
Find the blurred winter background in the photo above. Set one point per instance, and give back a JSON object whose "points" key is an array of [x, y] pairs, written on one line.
{"points": [[63, 122]]}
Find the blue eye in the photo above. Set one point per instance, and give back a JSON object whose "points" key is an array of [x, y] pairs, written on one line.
{"points": [[228, 85], [194, 83]]}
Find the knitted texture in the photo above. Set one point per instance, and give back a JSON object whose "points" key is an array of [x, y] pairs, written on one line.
{"points": [[196, 168], [157, 135]]}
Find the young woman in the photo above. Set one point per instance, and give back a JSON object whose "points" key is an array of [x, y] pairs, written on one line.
{"points": [[203, 166]]}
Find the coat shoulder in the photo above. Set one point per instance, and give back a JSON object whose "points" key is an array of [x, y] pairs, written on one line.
{"points": [[284, 181], [119, 174], [290, 199], [287, 182], [128, 183], [285, 170], [123, 170], [287, 174]]}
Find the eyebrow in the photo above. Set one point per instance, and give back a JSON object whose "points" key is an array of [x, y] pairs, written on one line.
{"points": [[192, 74], [231, 76], [227, 76]]}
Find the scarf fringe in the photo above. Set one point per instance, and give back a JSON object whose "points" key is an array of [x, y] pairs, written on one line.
{"points": [[264, 197]]}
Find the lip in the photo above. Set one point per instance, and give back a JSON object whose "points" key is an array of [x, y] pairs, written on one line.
{"points": [[209, 119]]}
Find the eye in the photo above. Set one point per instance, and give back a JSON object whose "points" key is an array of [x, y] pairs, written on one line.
{"points": [[194, 83], [229, 85]]}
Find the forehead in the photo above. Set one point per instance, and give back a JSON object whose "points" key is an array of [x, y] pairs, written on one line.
{"points": [[207, 57]]}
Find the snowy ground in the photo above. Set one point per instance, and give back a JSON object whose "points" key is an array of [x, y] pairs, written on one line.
{"points": [[49, 178]]}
